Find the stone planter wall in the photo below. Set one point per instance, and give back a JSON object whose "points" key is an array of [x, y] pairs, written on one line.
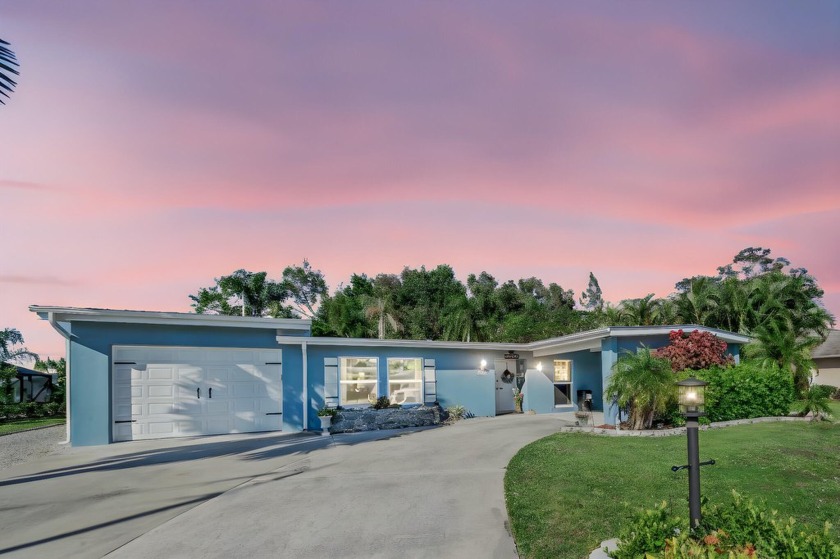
{"points": [[368, 419]]}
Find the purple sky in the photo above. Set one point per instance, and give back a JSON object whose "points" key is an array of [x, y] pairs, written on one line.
{"points": [[151, 146]]}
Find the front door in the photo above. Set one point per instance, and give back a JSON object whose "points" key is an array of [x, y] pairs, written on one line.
{"points": [[505, 383]]}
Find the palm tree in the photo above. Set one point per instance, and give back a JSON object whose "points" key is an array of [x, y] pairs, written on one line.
{"points": [[462, 320], [380, 305], [640, 312], [643, 384], [380, 308], [775, 341], [9, 338], [9, 353], [815, 402], [8, 62], [698, 304]]}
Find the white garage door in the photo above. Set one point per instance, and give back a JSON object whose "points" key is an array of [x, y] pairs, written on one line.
{"points": [[163, 392]]}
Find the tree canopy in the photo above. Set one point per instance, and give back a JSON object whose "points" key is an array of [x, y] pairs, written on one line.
{"points": [[756, 294]]}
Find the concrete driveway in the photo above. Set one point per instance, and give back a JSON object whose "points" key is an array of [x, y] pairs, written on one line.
{"points": [[433, 492]]}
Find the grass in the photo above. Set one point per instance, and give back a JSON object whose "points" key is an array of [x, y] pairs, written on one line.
{"points": [[15, 425], [568, 492]]}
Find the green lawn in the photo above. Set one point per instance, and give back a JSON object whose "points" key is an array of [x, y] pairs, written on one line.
{"points": [[15, 425], [568, 492]]}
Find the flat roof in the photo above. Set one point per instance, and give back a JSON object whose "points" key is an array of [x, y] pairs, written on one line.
{"points": [[80, 314], [588, 340]]}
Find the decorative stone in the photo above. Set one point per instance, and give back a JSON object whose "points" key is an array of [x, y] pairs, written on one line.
{"points": [[368, 419]]}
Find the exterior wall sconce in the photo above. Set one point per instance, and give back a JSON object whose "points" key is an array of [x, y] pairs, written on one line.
{"points": [[482, 369], [539, 366], [692, 400]]}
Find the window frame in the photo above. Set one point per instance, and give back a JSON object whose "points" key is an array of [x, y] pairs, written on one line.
{"points": [[420, 382], [342, 381], [567, 383]]}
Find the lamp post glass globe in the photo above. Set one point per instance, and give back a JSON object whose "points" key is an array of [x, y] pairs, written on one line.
{"points": [[692, 396]]}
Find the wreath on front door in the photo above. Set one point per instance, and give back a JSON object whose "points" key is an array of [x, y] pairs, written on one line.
{"points": [[507, 377]]}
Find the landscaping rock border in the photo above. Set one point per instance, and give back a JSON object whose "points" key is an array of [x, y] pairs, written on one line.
{"points": [[369, 419], [676, 430]]}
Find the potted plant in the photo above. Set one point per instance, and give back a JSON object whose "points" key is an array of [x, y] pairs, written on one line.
{"points": [[517, 399], [326, 414]]}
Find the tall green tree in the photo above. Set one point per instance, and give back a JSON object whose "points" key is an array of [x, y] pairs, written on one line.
{"points": [[306, 288], [422, 298], [243, 293], [343, 314], [592, 299], [8, 66]]}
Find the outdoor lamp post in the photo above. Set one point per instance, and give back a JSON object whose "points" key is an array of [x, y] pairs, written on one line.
{"points": [[692, 397]]}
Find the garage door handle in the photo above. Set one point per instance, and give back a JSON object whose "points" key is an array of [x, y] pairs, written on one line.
{"points": [[274, 413], [126, 421], [198, 393]]}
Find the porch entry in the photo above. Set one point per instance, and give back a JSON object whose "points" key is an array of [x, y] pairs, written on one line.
{"points": [[506, 370]]}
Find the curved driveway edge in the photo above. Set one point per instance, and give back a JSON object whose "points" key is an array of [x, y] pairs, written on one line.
{"points": [[433, 493]]}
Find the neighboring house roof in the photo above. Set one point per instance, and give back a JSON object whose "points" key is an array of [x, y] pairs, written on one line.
{"points": [[72, 314], [829, 348], [23, 371]]}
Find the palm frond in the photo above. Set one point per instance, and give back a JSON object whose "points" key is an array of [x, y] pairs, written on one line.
{"points": [[8, 65]]}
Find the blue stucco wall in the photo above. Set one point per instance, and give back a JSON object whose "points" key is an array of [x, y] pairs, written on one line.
{"points": [[90, 368], [538, 392], [452, 391], [477, 393]]}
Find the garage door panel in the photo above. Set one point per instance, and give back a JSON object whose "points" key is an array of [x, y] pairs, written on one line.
{"points": [[166, 392], [216, 407]]}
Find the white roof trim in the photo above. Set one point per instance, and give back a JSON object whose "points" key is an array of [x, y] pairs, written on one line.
{"points": [[374, 342], [580, 339], [573, 342], [74, 314]]}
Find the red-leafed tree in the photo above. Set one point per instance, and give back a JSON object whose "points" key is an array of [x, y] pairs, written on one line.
{"points": [[697, 350]]}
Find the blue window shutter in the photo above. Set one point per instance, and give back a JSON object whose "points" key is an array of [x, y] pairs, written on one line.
{"points": [[331, 381], [429, 381]]}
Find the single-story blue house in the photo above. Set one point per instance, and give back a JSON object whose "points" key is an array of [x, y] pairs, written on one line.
{"points": [[144, 375]]}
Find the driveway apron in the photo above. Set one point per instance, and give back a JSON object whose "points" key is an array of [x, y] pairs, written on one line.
{"points": [[430, 493]]}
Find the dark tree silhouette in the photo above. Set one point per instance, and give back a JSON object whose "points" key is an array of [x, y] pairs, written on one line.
{"points": [[8, 62]]}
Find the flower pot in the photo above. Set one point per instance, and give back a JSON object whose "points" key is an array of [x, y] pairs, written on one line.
{"points": [[518, 406], [326, 421]]}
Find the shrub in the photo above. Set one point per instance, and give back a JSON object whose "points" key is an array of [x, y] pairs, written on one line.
{"points": [[382, 403], [747, 390], [697, 350], [826, 390], [736, 530], [648, 532], [455, 413], [31, 409], [327, 412]]}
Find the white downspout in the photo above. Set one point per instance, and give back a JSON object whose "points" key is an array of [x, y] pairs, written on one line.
{"points": [[66, 335], [305, 386]]}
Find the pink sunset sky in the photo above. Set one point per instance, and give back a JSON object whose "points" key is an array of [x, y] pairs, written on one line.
{"points": [[152, 146]]}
